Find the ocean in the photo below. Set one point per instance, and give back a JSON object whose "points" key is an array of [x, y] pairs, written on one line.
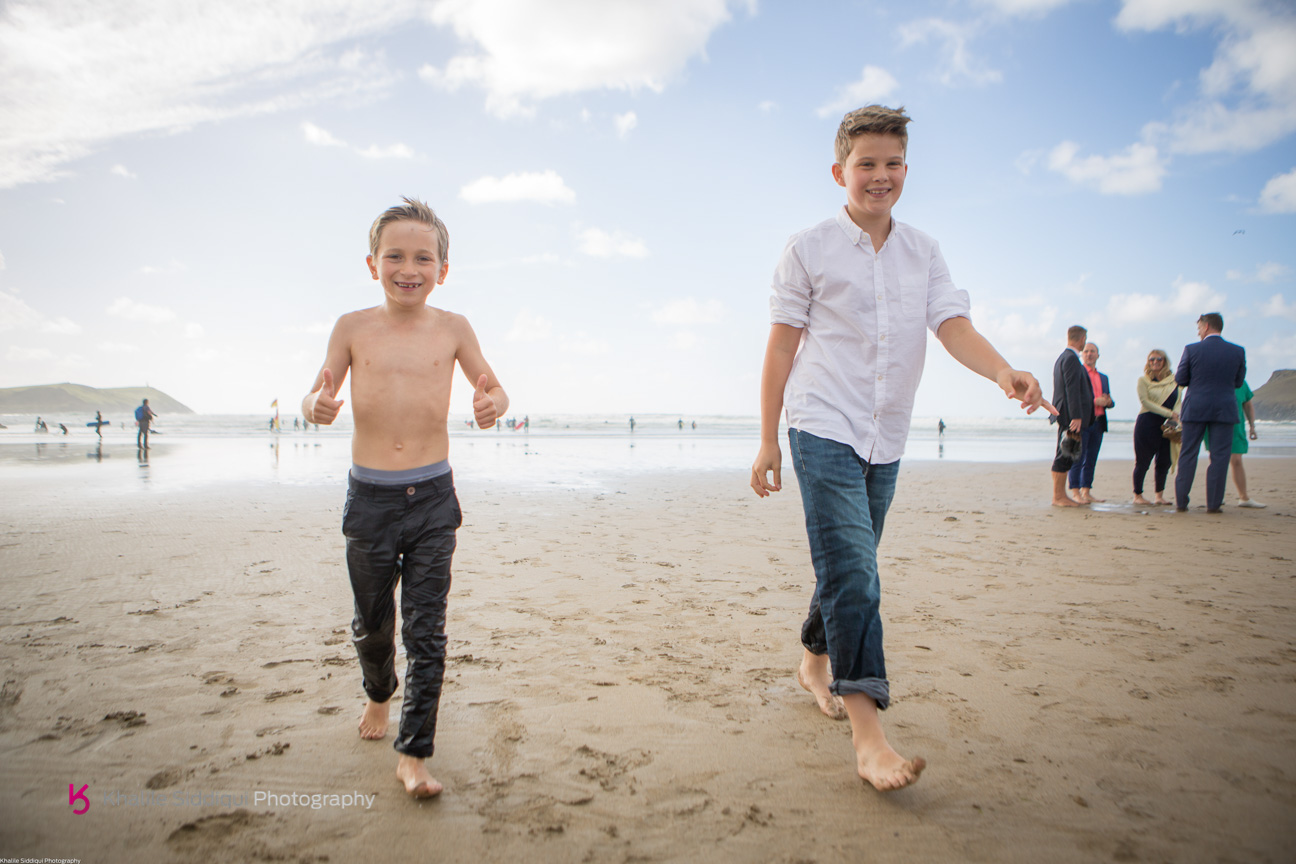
{"points": [[576, 451]]}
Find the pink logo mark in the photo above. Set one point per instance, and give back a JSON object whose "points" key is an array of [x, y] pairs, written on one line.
{"points": [[78, 794]]}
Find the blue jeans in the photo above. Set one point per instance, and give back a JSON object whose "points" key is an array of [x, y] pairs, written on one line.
{"points": [[1082, 473], [845, 500]]}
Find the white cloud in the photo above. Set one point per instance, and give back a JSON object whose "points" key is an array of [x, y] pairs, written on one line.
{"points": [[767, 106], [624, 123], [601, 244], [320, 137], [521, 51], [584, 345], [1279, 351], [1137, 170], [1268, 272], [118, 348], [2, 261], [194, 331], [1278, 307], [875, 85], [17, 354], [529, 327], [123, 171], [545, 187], [74, 75], [17, 315], [542, 258], [1279, 194], [689, 312], [131, 310], [1187, 298], [957, 65], [314, 328], [683, 340], [1248, 93], [323, 138]]}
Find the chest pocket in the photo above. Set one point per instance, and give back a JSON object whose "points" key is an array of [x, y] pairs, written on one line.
{"points": [[913, 297]]}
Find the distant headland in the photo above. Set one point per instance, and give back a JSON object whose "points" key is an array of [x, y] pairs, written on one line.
{"points": [[77, 398], [1276, 400]]}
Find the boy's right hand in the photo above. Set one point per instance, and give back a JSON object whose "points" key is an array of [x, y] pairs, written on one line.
{"points": [[770, 458], [326, 407]]}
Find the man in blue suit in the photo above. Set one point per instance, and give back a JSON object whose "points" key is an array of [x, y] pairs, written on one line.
{"points": [[1212, 370]]}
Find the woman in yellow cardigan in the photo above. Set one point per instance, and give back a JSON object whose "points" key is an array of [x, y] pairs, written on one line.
{"points": [[1158, 401]]}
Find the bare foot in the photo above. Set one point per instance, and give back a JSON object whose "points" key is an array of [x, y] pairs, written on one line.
{"points": [[1162, 501], [1090, 499], [887, 770], [815, 680], [418, 782], [373, 722], [1139, 499], [1065, 501]]}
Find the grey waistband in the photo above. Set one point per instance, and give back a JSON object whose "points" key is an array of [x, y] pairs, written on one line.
{"points": [[400, 478]]}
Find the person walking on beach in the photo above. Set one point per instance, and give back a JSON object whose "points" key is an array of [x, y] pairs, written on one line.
{"points": [[1158, 395], [401, 510], [1073, 396], [143, 419], [1080, 477], [1211, 371], [856, 295], [1240, 446]]}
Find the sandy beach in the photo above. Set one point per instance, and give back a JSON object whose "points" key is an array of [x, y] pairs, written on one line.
{"points": [[1104, 684]]}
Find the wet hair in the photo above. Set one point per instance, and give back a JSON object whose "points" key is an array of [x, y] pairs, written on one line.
{"points": [[1165, 365], [1076, 333], [1213, 321], [870, 120], [412, 210]]}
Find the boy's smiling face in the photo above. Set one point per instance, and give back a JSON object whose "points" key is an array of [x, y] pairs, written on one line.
{"points": [[408, 263], [873, 176]]}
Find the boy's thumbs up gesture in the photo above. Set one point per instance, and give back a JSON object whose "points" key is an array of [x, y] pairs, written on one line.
{"points": [[484, 408], [325, 409]]}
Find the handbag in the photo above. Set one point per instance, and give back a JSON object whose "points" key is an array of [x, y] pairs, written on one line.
{"points": [[1172, 430]]}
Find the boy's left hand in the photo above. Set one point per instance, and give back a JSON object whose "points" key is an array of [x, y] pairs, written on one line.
{"points": [[1023, 387], [484, 408]]}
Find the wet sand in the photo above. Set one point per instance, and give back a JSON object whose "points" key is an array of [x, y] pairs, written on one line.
{"points": [[1105, 684]]}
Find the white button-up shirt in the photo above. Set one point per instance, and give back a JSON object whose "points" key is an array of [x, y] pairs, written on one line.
{"points": [[864, 317]]}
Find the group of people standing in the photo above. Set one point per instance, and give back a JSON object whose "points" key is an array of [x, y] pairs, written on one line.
{"points": [[1171, 423]]}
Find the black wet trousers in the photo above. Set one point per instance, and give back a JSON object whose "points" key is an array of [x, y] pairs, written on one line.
{"points": [[402, 534]]}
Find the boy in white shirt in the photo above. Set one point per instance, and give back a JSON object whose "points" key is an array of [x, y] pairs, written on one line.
{"points": [[853, 299]]}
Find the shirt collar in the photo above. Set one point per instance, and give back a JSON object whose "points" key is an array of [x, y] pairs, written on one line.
{"points": [[855, 233]]}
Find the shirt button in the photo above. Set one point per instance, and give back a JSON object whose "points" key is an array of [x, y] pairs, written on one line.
{"points": [[879, 377], [409, 491]]}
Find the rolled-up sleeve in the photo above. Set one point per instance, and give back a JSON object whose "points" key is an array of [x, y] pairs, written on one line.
{"points": [[790, 302], [944, 299]]}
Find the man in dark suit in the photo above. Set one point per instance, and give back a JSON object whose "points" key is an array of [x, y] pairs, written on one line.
{"points": [[1212, 370], [1074, 400]]}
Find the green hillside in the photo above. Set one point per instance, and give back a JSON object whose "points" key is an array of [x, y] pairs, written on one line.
{"points": [[1276, 400], [79, 399]]}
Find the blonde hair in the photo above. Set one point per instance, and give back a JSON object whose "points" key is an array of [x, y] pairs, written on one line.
{"points": [[1165, 364], [412, 210], [870, 120]]}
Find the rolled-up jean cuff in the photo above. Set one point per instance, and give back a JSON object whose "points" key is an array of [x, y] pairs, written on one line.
{"points": [[875, 688]]}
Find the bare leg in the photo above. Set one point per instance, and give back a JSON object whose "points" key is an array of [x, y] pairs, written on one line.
{"points": [[875, 761], [1239, 475], [373, 723], [1060, 496], [813, 675], [412, 772]]}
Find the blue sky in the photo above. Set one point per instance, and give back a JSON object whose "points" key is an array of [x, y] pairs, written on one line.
{"points": [[186, 189]]}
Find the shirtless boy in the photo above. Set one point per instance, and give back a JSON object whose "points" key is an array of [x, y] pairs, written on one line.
{"points": [[401, 510]]}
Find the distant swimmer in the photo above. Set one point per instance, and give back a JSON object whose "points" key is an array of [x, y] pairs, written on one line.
{"points": [[98, 423], [64, 428], [631, 424], [940, 427], [41, 426]]}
